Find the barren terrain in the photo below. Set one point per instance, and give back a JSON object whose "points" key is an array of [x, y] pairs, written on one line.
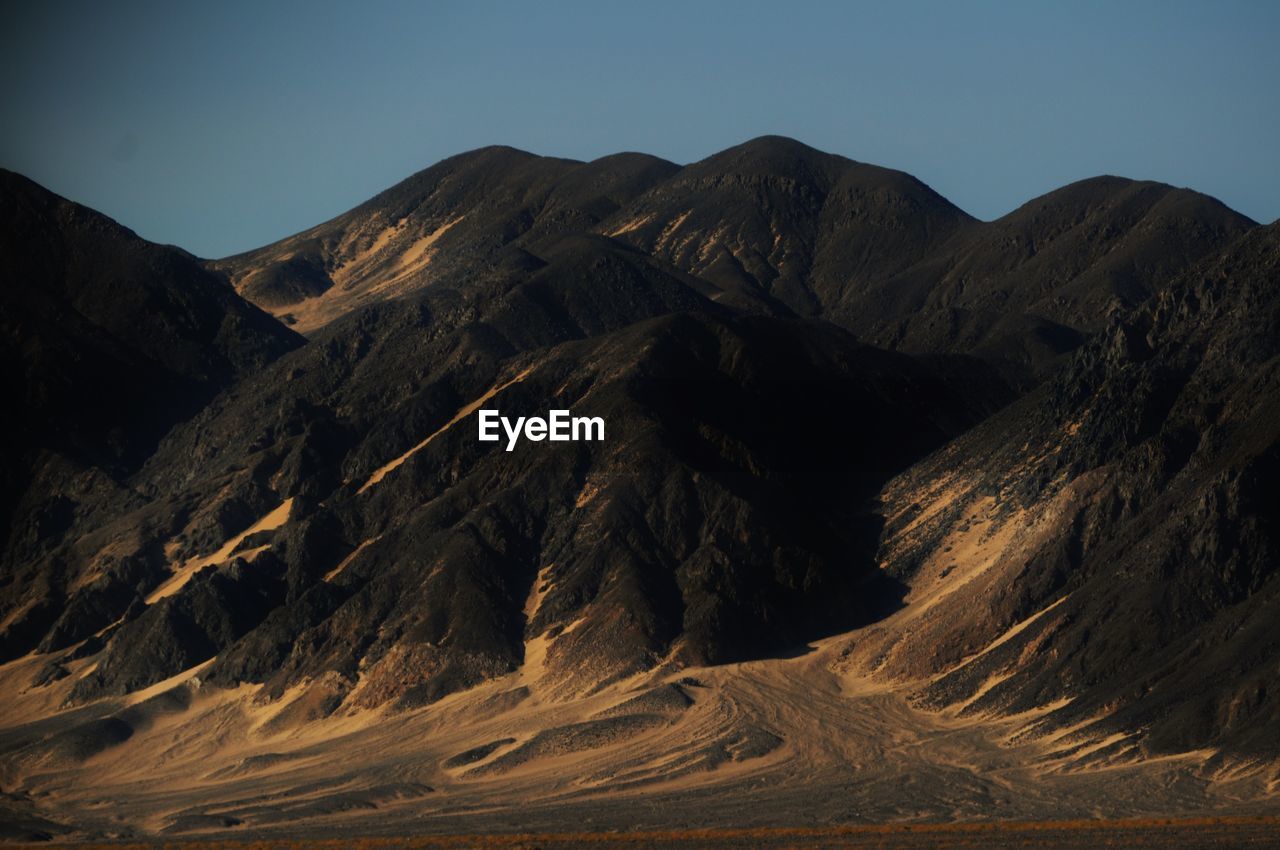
{"points": [[757, 744]]}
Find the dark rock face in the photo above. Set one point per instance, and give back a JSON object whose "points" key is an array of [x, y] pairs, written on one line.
{"points": [[1156, 599], [99, 321], [108, 342], [1026, 288], [770, 335], [1183, 405]]}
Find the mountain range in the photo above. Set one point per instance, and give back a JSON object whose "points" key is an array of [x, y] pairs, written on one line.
{"points": [[901, 515]]}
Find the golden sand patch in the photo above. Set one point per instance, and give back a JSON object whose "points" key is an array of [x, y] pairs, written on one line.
{"points": [[346, 562], [382, 471], [183, 572], [630, 226]]}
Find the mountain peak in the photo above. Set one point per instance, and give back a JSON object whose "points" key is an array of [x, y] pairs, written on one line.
{"points": [[1111, 190], [771, 154]]}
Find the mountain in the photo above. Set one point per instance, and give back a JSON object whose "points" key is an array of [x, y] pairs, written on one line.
{"points": [[451, 219], [779, 220], [881, 254], [778, 228], [1117, 531], [897, 515], [108, 342], [91, 308], [692, 390], [1028, 287]]}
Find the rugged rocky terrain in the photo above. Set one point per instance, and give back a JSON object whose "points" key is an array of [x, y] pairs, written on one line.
{"points": [[900, 514]]}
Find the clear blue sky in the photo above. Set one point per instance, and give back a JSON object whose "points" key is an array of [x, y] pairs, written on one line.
{"points": [[223, 126]]}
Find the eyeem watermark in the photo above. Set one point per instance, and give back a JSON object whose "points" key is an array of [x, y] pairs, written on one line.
{"points": [[559, 426]]}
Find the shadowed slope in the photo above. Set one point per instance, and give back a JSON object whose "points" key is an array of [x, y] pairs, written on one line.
{"points": [[108, 341]]}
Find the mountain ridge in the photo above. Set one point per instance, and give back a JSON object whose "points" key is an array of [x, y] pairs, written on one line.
{"points": [[884, 256]]}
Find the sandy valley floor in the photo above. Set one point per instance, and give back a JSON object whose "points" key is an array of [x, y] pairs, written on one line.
{"points": [[762, 744]]}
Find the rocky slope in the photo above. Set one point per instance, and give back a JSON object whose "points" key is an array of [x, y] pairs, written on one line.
{"points": [[108, 341], [1117, 530]]}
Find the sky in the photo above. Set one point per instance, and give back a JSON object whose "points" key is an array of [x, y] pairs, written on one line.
{"points": [[224, 126]]}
